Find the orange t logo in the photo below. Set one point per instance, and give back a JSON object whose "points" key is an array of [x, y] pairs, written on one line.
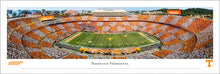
{"points": [[209, 65]]}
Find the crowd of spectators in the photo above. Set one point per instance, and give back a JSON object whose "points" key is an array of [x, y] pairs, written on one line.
{"points": [[182, 37]]}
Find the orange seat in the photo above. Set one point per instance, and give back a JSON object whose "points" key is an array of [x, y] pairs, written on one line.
{"points": [[98, 28], [162, 53], [169, 28], [53, 37], [34, 36], [148, 29], [12, 24], [44, 30], [189, 45], [199, 24], [128, 28], [65, 25], [157, 18], [124, 18], [45, 44], [20, 30], [28, 44], [15, 40], [169, 19], [89, 18], [179, 32], [112, 19], [181, 21], [113, 28], [33, 25], [159, 26], [27, 20], [172, 42], [93, 23], [100, 18], [55, 27], [59, 32], [106, 23]]}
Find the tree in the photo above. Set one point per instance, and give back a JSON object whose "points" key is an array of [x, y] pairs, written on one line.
{"points": [[56, 12], [14, 15], [197, 11], [48, 12]]}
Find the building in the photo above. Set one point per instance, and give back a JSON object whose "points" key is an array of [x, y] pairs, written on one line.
{"points": [[70, 13], [43, 12], [105, 13], [154, 12]]}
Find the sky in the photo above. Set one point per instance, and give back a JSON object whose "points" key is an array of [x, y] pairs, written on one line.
{"points": [[94, 8]]}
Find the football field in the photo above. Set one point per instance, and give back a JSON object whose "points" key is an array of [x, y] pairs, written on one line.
{"points": [[121, 40]]}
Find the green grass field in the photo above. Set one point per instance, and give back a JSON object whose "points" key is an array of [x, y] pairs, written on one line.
{"points": [[94, 40]]}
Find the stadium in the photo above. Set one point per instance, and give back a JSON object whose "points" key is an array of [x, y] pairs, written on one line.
{"points": [[110, 37]]}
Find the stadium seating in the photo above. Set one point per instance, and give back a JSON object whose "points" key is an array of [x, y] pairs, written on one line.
{"points": [[182, 37], [162, 53]]}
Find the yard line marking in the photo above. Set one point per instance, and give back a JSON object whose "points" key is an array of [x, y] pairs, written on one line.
{"points": [[68, 40]]}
